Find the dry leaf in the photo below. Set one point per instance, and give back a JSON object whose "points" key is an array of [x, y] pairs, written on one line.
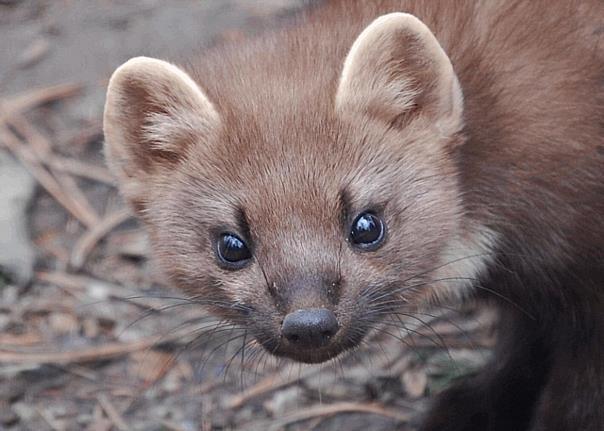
{"points": [[151, 365], [415, 382], [63, 323]]}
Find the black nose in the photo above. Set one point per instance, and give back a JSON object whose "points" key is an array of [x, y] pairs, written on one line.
{"points": [[312, 327]]}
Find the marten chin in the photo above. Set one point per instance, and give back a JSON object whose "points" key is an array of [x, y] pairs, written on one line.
{"points": [[377, 157]]}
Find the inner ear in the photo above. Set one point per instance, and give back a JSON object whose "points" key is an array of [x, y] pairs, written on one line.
{"points": [[396, 69], [154, 113]]}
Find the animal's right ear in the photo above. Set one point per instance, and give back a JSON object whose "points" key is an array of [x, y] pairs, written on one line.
{"points": [[154, 113]]}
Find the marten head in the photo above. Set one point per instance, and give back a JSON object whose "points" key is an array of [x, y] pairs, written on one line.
{"points": [[303, 211]]}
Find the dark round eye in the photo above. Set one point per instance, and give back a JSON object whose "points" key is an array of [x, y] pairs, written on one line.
{"points": [[367, 231], [232, 250]]}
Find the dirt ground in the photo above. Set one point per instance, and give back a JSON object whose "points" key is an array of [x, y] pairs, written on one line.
{"points": [[90, 338]]}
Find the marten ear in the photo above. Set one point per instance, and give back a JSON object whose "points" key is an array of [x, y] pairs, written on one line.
{"points": [[395, 71], [154, 112]]}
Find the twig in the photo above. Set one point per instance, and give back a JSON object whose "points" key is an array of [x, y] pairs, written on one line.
{"points": [[27, 339], [71, 281], [88, 241], [49, 420], [78, 371], [75, 284], [40, 145], [46, 180], [268, 384], [92, 354], [38, 97], [343, 407], [424, 340], [82, 169], [42, 149], [11, 112], [112, 413], [85, 136], [313, 425]]}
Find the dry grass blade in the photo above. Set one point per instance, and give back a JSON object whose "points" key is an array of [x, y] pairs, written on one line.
{"points": [[343, 407], [268, 384], [81, 169], [91, 354], [88, 241], [42, 149], [82, 286], [38, 97], [50, 421], [30, 160], [31, 135], [112, 413], [17, 340]]}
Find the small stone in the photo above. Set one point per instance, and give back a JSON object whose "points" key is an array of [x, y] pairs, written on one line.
{"points": [[63, 323], [415, 383], [90, 328], [16, 251], [25, 411], [284, 401], [7, 416]]}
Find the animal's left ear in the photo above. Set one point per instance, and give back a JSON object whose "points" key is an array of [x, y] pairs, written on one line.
{"points": [[396, 71]]}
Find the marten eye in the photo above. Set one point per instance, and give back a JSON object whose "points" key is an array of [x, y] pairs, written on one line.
{"points": [[232, 250], [367, 231]]}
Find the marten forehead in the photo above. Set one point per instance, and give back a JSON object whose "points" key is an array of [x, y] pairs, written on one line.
{"points": [[290, 171], [299, 178], [290, 195], [299, 174]]}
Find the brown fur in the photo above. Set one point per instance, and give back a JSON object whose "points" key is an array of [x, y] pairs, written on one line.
{"points": [[503, 191]]}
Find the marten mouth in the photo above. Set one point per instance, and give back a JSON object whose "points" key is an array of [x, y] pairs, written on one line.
{"points": [[315, 356], [311, 355]]}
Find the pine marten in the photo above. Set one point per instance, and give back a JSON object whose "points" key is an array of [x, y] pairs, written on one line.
{"points": [[380, 156]]}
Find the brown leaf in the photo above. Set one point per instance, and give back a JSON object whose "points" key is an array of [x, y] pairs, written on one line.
{"points": [[63, 323], [151, 365], [415, 382]]}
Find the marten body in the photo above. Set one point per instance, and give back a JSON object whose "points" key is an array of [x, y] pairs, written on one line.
{"points": [[326, 173]]}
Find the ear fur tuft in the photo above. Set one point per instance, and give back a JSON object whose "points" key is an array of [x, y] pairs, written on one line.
{"points": [[153, 113], [396, 68]]}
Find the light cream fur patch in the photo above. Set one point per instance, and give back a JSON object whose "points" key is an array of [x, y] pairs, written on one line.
{"points": [[463, 262]]}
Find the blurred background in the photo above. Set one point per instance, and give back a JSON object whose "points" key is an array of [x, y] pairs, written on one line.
{"points": [[90, 337]]}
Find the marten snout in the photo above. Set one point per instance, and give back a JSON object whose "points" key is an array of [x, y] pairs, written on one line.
{"points": [[310, 328]]}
